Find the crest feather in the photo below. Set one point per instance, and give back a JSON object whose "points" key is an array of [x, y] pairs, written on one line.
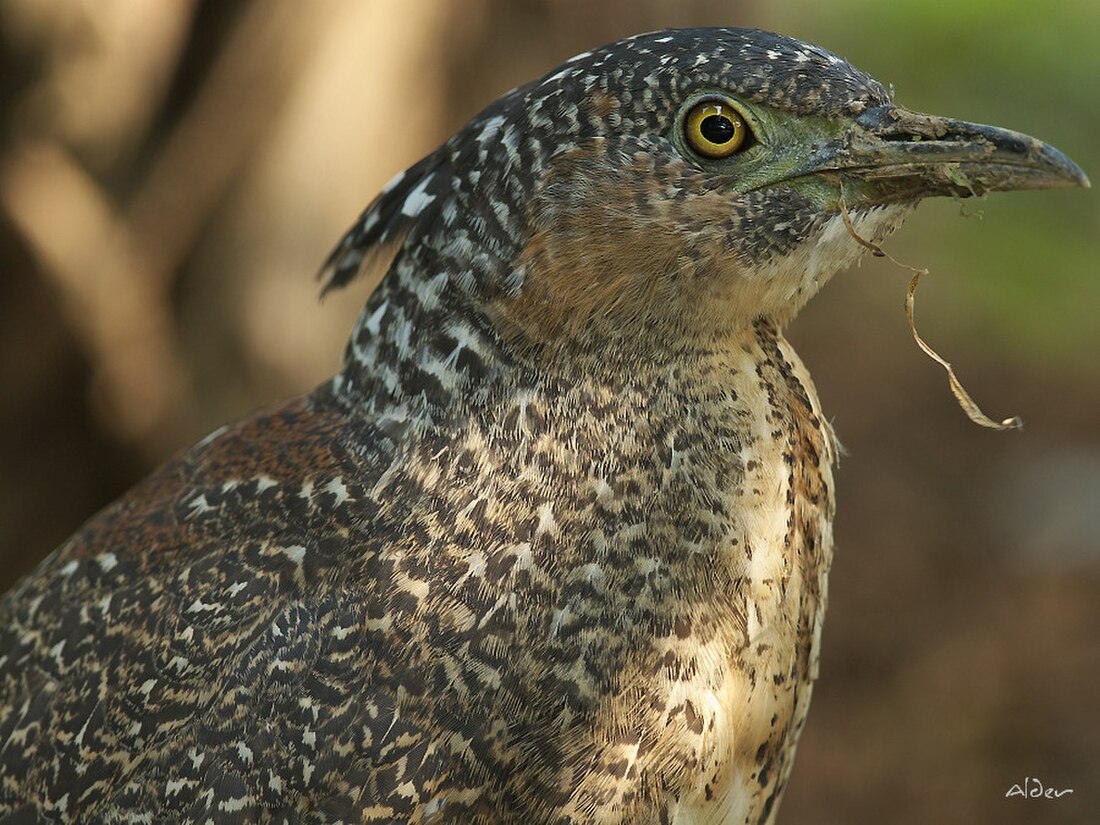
{"points": [[411, 198]]}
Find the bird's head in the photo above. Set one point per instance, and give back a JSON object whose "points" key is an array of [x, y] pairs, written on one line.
{"points": [[674, 186]]}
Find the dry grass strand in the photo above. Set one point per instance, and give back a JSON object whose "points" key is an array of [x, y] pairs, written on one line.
{"points": [[968, 405]]}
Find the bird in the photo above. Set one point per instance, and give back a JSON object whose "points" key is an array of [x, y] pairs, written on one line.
{"points": [[552, 545]]}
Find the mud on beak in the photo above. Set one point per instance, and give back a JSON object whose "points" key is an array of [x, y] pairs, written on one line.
{"points": [[893, 155]]}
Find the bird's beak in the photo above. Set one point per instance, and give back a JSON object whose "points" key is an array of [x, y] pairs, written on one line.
{"points": [[893, 155]]}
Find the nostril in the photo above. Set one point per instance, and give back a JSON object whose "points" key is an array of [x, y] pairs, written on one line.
{"points": [[913, 137], [900, 136]]}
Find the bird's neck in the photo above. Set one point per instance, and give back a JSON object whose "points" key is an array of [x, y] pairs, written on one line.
{"points": [[426, 346]]}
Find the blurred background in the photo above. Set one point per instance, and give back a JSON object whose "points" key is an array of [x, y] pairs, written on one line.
{"points": [[173, 172]]}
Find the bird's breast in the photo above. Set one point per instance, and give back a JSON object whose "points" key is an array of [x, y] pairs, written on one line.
{"points": [[663, 574], [752, 696]]}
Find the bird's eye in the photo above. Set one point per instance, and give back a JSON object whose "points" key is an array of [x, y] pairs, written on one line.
{"points": [[714, 129]]}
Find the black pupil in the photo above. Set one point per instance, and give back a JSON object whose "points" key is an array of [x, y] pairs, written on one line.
{"points": [[717, 128]]}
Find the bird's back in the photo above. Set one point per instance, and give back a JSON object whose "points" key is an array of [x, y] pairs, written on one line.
{"points": [[190, 635]]}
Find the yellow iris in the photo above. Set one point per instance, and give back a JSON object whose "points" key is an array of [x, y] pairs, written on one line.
{"points": [[715, 129]]}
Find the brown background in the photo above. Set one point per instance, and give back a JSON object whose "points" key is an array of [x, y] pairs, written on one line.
{"points": [[172, 173]]}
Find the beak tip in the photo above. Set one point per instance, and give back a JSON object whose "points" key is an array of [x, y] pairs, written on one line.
{"points": [[1063, 166]]}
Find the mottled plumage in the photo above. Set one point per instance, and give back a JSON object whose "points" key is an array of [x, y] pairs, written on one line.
{"points": [[552, 546]]}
